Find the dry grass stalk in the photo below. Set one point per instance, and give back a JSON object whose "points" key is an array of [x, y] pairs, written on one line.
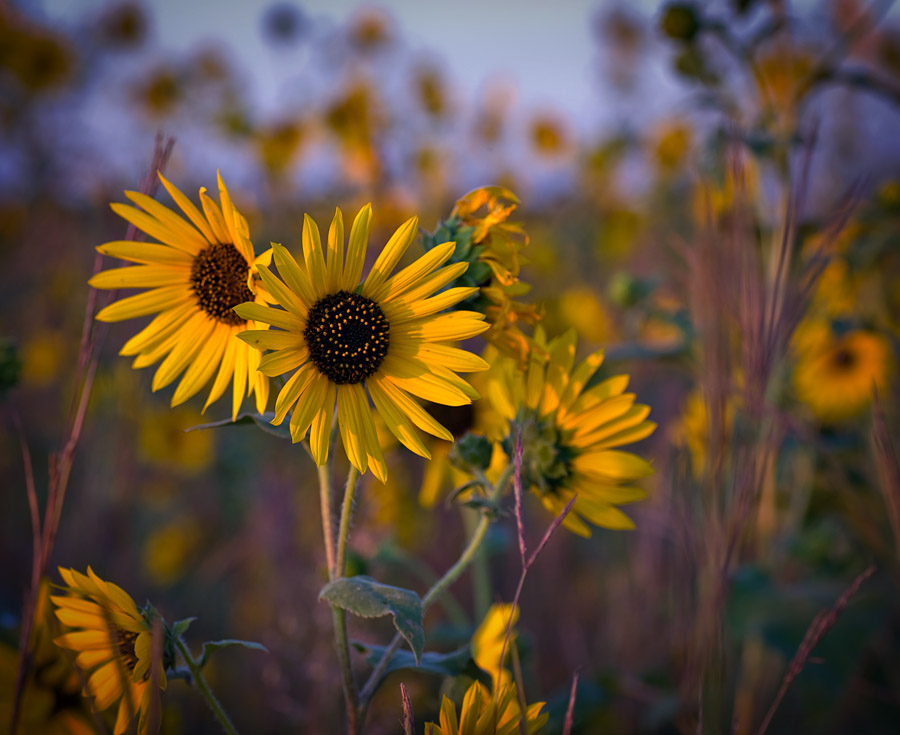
{"points": [[821, 624], [888, 468], [92, 337], [570, 710], [408, 724]]}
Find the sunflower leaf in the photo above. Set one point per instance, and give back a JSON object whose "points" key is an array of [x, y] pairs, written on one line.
{"points": [[452, 663], [210, 647], [367, 598], [262, 421]]}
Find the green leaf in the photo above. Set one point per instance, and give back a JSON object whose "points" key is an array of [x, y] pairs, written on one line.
{"points": [[263, 422], [210, 647], [451, 664], [180, 627], [365, 597]]}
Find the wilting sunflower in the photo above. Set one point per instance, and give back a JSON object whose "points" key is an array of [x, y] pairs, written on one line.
{"points": [[196, 274], [835, 374], [483, 713], [113, 641], [383, 338], [570, 432]]}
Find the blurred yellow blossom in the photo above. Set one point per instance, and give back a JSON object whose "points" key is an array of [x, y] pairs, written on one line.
{"points": [[836, 374]]}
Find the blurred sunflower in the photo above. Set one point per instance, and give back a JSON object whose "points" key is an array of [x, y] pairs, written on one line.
{"points": [[383, 336], [835, 374], [113, 641], [487, 643], [484, 713], [196, 274], [570, 431], [51, 702]]}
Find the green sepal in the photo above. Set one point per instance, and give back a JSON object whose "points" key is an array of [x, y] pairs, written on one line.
{"points": [[180, 627], [367, 598], [472, 452]]}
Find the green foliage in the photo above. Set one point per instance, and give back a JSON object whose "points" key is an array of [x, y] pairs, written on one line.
{"points": [[367, 598], [210, 647], [247, 419]]}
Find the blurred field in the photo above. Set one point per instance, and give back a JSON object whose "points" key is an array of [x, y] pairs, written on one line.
{"points": [[737, 257]]}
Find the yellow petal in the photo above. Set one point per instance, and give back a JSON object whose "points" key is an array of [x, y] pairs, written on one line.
{"points": [[268, 315], [296, 279], [178, 226], [193, 214], [143, 304], [146, 252], [389, 257], [141, 276], [335, 265], [292, 390], [312, 255], [283, 361], [356, 251], [414, 273]]}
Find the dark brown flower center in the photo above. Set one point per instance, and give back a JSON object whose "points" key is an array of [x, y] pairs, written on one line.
{"points": [[844, 359], [347, 335], [219, 279], [125, 640]]}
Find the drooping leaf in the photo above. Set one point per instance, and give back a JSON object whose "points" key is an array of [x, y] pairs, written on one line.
{"points": [[367, 598], [210, 647], [452, 663], [263, 422]]}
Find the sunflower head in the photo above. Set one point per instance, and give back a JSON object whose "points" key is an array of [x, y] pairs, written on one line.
{"points": [[196, 271], [571, 428], [112, 639], [347, 340], [483, 713], [836, 373], [492, 246]]}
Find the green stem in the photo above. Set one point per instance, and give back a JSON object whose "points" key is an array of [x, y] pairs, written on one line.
{"points": [[200, 681], [481, 576], [341, 641], [439, 587], [327, 516], [340, 567]]}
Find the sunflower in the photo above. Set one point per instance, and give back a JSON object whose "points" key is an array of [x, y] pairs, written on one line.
{"points": [[492, 246], [348, 341], [835, 374], [196, 273], [113, 641], [570, 431], [485, 714], [489, 641]]}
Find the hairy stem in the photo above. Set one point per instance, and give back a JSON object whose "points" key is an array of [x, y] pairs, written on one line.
{"points": [[200, 681]]}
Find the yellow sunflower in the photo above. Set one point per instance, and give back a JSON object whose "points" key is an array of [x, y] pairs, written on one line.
{"points": [[487, 644], [196, 274], [383, 338], [113, 641], [570, 432], [835, 375], [483, 713]]}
